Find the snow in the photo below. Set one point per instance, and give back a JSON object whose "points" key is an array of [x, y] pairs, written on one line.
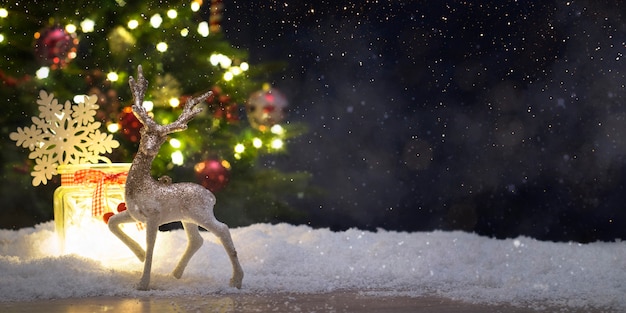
{"points": [[288, 258]]}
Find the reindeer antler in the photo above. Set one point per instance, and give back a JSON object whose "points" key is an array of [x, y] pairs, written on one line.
{"points": [[190, 110], [138, 89]]}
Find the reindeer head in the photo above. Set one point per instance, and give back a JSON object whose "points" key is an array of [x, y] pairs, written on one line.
{"points": [[153, 135]]}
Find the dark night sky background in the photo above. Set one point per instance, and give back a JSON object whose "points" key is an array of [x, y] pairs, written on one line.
{"points": [[502, 118]]}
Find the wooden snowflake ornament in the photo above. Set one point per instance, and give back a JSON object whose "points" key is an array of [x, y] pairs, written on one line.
{"points": [[63, 134]]}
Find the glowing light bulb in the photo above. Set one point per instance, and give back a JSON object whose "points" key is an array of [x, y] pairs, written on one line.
{"points": [[195, 6], [277, 143], [132, 24], [244, 66], [225, 62], [236, 70], [214, 59], [1, 38], [175, 143], [156, 20], [112, 76], [257, 143], [240, 148], [70, 28], [113, 127], [3, 12], [174, 102], [87, 25], [277, 129], [203, 29], [43, 72], [172, 13], [228, 76], [149, 105], [184, 32], [177, 158], [161, 46]]}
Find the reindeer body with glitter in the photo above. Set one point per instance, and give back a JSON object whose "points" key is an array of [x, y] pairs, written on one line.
{"points": [[156, 202]]}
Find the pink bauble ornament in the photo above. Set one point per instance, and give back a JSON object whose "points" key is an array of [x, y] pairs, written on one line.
{"points": [[266, 108], [212, 174], [55, 47]]}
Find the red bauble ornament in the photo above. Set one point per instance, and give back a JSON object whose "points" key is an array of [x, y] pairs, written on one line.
{"points": [[130, 124], [222, 106], [212, 174], [265, 108], [55, 47]]}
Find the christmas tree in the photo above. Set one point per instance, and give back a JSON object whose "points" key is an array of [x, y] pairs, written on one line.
{"points": [[81, 48]]}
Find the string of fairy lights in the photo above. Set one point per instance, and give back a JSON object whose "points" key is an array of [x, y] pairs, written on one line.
{"points": [[275, 140]]}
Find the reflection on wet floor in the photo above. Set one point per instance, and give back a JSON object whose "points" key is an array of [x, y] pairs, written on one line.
{"points": [[330, 302]]}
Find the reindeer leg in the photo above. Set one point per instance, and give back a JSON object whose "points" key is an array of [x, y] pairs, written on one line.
{"points": [[220, 230], [123, 218], [152, 228], [194, 243]]}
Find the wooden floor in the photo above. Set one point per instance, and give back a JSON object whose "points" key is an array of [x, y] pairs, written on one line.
{"points": [[331, 302]]}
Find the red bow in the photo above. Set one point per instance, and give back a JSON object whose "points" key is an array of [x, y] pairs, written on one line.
{"points": [[101, 179]]}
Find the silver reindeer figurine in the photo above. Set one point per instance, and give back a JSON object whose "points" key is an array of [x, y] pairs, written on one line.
{"points": [[156, 202]]}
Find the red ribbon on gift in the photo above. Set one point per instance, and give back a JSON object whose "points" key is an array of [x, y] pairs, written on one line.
{"points": [[101, 179]]}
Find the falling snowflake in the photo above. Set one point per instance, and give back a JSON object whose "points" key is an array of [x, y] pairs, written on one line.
{"points": [[63, 134]]}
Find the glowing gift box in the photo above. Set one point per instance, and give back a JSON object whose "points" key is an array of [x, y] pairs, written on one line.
{"points": [[87, 192]]}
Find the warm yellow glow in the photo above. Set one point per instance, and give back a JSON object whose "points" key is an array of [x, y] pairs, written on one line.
{"points": [[175, 143], [203, 29], [277, 143], [228, 76], [113, 127], [184, 32], [236, 70], [172, 13], [221, 60], [240, 148], [112, 76], [174, 102], [177, 158], [277, 129], [225, 62], [161, 46], [70, 28], [43, 72], [257, 143], [214, 59], [3, 12], [225, 164], [156, 20], [87, 25], [92, 239], [149, 105], [132, 24], [195, 6], [244, 66], [1, 38]]}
